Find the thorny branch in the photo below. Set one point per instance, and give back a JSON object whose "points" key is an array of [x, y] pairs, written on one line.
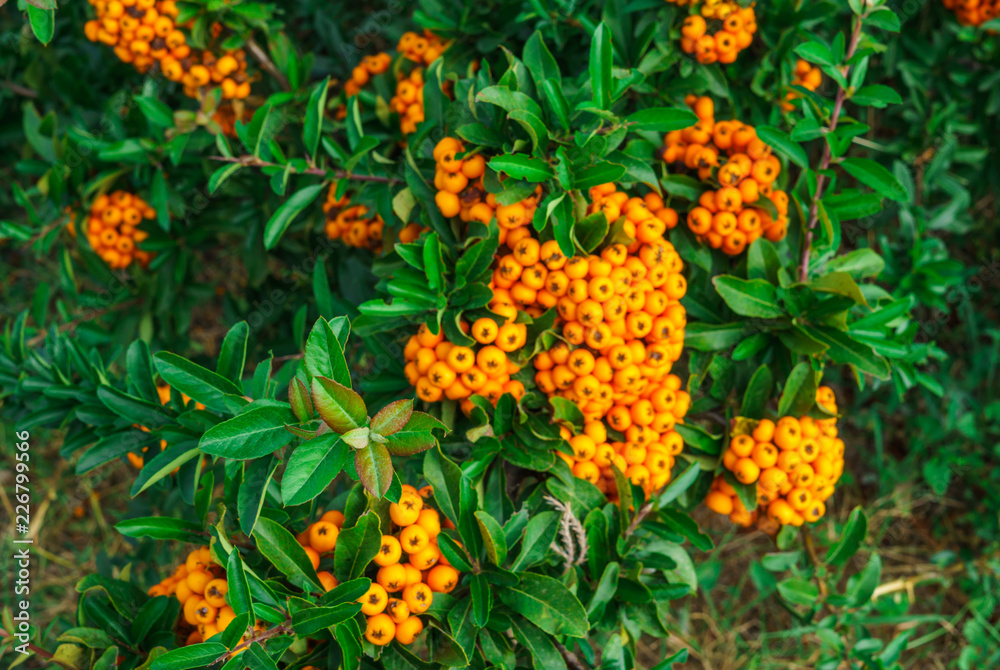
{"points": [[253, 161], [280, 629]]}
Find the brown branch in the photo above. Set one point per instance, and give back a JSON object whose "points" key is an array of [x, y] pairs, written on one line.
{"points": [[267, 64], [280, 629], [807, 540], [572, 661], [824, 164], [37, 650], [253, 161], [18, 89]]}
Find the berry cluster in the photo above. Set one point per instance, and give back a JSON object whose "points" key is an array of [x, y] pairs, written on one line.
{"points": [[719, 32], [409, 100], [144, 33], [113, 228], [459, 182], [974, 12], [368, 68], [729, 154], [404, 590], [805, 75], [200, 585], [439, 369], [795, 464], [421, 49], [354, 225], [623, 327]]}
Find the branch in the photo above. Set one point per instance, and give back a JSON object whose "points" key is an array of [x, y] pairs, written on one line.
{"points": [[813, 558], [572, 661], [37, 650], [824, 164], [18, 89], [280, 629], [267, 64], [253, 161]]}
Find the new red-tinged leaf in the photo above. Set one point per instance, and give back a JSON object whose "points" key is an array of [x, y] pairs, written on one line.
{"points": [[341, 408], [298, 396], [374, 466], [357, 438], [393, 417]]}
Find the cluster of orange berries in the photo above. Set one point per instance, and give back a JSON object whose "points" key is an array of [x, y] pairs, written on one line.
{"points": [[401, 591], [733, 26], [461, 193], [805, 75], [623, 327], [113, 228], [354, 225], [440, 369], [409, 100], [200, 585], [369, 67], [974, 12], [727, 217], [795, 464], [144, 33], [423, 49]]}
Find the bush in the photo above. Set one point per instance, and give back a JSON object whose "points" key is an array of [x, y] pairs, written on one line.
{"points": [[430, 336]]}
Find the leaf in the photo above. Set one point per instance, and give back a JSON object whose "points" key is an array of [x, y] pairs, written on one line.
{"points": [[340, 407], [198, 655], [870, 173], [357, 546], [600, 63], [682, 524], [325, 350], [662, 119], [233, 353], [134, 409], [547, 603], [784, 145], [156, 111], [239, 588], [850, 539], [493, 538], [200, 384], [415, 436], [393, 417], [756, 297], [253, 489], [221, 176], [280, 547], [315, 111], [162, 464], [252, 434], [843, 349], [313, 620], [599, 173], [43, 23], [286, 213], [714, 337], [858, 263], [162, 528], [758, 393], [679, 485], [544, 654], [799, 392], [798, 591], [839, 283], [446, 479], [524, 167], [374, 466]]}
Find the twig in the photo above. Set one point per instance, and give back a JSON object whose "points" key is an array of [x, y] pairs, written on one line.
{"points": [[572, 661], [36, 649], [813, 558], [824, 164], [20, 90], [265, 62], [253, 161], [280, 629], [644, 511]]}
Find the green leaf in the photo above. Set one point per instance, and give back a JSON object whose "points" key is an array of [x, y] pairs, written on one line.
{"points": [[198, 655], [200, 384], [162, 464], [280, 547], [221, 176], [544, 654], [286, 213], [843, 349], [257, 476], [415, 437], [341, 408], [357, 546], [679, 485], [547, 603], [239, 587], [315, 112], [446, 478], [600, 64], [493, 538], [870, 173], [313, 620], [681, 523], [839, 283], [539, 534], [799, 392], [312, 467], [162, 528], [374, 467], [850, 539], [134, 409], [662, 119], [797, 591], [858, 263], [784, 145], [43, 23], [252, 434], [325, 350], [523, 167], [714, 337], [156, 111], [755, 298], [233, 353]]}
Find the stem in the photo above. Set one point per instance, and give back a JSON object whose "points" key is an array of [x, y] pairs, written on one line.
{"points": [[807, 540], [280, 629], [265, 62], [824, 163], [253, 161], [639, 518], [35, 649]]}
